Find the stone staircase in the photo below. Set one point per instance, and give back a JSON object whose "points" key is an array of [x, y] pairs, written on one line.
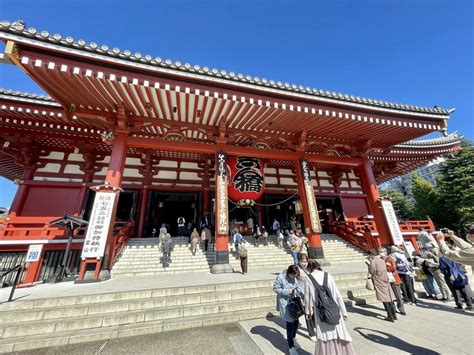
{"points": [[39, 323], [142, 256], [337, 250]]}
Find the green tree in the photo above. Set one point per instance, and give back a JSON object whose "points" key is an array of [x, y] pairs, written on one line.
{"points": [[425, 197], [455, 189], [402, 205]]}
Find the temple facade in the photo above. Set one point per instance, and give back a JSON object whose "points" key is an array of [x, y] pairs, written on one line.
{"points": [[152, 140]]}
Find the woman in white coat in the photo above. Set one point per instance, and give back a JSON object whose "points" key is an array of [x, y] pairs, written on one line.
{"points": [[331, 339]]}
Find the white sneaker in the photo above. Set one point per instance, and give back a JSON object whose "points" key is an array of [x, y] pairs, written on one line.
{"points": [[297, 345], [293, 351]]}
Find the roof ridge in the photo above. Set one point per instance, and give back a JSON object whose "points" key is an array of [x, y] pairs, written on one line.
{"points": [[19, 28], [26, 95], [451, 138]]}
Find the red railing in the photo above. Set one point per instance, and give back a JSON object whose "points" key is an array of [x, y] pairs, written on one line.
{"points": [[358, 233], [122, 233], [364, 234]]}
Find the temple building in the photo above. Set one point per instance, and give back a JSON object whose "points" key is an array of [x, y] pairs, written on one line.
{"points": [[129, 141]]}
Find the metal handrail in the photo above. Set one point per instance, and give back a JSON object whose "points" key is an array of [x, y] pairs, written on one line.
{"points": [[17, 277]]}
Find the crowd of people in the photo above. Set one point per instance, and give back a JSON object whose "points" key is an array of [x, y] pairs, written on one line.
{"points": [[305, 290]]}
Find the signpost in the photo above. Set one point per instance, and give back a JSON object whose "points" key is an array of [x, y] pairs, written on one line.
{"points": [[34, 253], [392, 222], [96, 237]]}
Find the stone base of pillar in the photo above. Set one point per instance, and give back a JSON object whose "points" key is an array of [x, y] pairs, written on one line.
{"points": [[89, 277], [318, 254], [222, 257], [221, 269]]}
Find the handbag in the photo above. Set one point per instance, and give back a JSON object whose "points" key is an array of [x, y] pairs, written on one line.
{"points": [[311, 326], [369, 285], [421, 275], [295, 305]]}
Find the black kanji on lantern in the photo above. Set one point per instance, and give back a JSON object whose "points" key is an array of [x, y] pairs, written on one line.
{"points": [[249, 177]]}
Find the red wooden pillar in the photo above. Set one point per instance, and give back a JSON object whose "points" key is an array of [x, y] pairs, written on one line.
{"points": [[144, 195], [310, 210], [205, 202], [113, 179], [369, 186], [221, 216]]}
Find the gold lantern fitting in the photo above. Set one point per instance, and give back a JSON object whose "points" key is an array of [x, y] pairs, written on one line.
{"points": [[246, 202]]}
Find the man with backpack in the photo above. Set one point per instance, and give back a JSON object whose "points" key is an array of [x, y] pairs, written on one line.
{"points": [[406, 273], [323, 301], [457, 281]]}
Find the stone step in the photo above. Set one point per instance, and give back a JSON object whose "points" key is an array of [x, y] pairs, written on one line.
{"points": [[99, 320], [50, 313], [128, 330]]}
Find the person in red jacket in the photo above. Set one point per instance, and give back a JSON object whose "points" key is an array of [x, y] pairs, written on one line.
{"points": [[394, 279]]}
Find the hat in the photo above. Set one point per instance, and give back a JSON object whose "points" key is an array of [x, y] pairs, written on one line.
{"points": [[394, 249], [428, 246]]}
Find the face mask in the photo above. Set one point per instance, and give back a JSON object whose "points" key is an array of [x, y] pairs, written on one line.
{"points": [[383, 255], [303, 264]]}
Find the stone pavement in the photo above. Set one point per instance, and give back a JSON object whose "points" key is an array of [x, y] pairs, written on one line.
{"points": [[216, 340], [429, 328]]}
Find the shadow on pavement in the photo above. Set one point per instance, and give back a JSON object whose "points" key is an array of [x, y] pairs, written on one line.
{"points": [[442, 307], [376, 336], [272, 335], [364, 310]]}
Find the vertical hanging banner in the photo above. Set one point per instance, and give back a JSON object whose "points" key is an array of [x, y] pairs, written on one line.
{"points": [[99, 223], [392, 222], [221, 194], [310, 199]]}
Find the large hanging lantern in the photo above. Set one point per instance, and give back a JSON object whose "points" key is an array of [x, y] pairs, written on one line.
{"points": [[247, 181]]}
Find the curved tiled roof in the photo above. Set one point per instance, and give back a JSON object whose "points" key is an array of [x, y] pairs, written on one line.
{"points": [[453, 138], [19, 28], [26, 95]]}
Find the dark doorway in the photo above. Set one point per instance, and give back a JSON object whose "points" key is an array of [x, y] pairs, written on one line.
{"points": [[282, 208], [167, 207], [330, 209]]}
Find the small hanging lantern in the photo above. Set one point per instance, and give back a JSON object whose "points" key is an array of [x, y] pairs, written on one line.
{"points": [[298, 207]]}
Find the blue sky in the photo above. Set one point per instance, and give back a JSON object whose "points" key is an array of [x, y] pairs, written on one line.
{"points": [[417, 52]]}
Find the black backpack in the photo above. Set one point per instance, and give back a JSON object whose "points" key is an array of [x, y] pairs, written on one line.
{"points": [[328, 310]]}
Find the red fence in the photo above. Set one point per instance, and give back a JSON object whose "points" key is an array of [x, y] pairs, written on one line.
{"points": [[364, 234]]}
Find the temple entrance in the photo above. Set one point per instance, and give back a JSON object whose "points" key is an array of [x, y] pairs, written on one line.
{"points": [[281, 208], [167, 207], [330, 209]]}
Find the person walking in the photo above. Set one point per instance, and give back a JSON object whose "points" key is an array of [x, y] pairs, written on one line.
{"points": [[394, 279], [406, 273], [257, 234], [265, 236], [294, 243], [331, 338], [383, 291], [275, 226], [250, 225], [181, 227], [194, 240], [280, 238], [285, 286], [206, 236], [243, 255]]}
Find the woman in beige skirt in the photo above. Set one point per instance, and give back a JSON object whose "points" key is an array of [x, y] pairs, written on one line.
{"points": [[194, 240]]}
